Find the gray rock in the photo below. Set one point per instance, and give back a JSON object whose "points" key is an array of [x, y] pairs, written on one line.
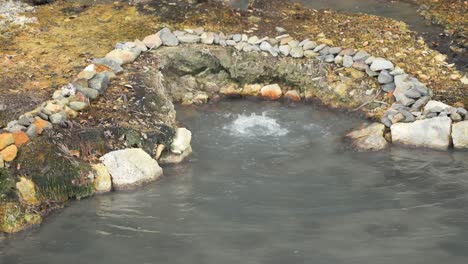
{"points": [[86, 91], [329, 58], [167, 38], [78, 106], [297, 52], [460, 135], [14, 126], [335, 50], [381, 64], [129, 46], [397, 71], [409, 117], [31, 131], [436, 106], [430, 133], [325, 51], [179, 33], [420, 103], [319, 47], [284, 50], [370, 60], [309, 45], [456, 117], [130, 168], [385, 77], [25, 120], [371, 73], [402, 86], [115, 66], [413, 93], [369, 138], [189, 38], [361, 56], [462, 111], [57, 118], [99, 82], [389, 87], [265, 46], [348, 61], [293, 43], [231, 42]]}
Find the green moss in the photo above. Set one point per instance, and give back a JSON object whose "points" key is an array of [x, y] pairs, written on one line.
{"points": [[57, 174], [14, 217], [7, 185]]}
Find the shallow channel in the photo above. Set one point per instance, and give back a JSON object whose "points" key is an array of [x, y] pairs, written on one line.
{"points": [[269, 183]]}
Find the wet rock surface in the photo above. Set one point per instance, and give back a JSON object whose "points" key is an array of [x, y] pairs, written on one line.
{"points": [[430, 133], [130, 168]]}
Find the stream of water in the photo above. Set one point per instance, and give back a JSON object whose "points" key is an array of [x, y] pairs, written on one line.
{"points": [[269, 183]]}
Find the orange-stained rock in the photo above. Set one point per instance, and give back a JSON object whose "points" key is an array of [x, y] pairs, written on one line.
{"points": [[101, 68], [21, 138], [272, 91], [293, 96], [9, 153], [6, 139], [41, 124]]}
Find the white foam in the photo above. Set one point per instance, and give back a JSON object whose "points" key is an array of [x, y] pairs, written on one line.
{"points": [[255, 125]]}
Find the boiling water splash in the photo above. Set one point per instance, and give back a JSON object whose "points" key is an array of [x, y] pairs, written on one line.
{"points": [[255, 125]]}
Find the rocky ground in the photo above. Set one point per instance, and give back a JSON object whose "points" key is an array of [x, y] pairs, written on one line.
{"points": [[137, 109], [450, 14]]}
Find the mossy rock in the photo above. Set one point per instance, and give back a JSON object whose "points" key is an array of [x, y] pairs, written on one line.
{"points": [[14, 217], [58, 175]]}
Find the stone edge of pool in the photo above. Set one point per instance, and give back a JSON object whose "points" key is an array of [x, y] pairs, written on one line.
{"points": [[414, 119]]}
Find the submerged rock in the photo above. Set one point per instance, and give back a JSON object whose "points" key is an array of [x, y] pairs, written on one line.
{"points": [[369, 138], [460, 135], [130, 168], [172, 158], [430, 133]]}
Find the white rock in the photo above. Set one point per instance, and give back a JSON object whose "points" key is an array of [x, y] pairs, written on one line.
{"points": [[130, 168], [379, 64], [436, 104], [284, 50], [460, 135], [181, 141], [369, 138], [207, 38], [430, 133], [189, 38]]}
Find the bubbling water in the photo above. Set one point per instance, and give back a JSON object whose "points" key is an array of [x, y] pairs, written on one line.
{"points": [[254, 125]]}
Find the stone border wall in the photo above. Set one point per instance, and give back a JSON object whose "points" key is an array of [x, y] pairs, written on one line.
{"points": [[413, 104]]}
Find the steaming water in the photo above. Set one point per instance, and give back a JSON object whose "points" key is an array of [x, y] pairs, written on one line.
{"points": [[254, 125], [269, 184]]}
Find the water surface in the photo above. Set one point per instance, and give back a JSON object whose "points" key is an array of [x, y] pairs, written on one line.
{"points": [[269, 183]]}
